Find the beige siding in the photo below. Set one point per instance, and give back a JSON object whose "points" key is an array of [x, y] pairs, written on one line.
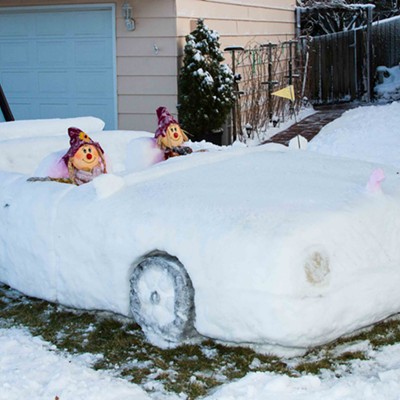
{"points": [[136, 121], [146, 103], [239, 21], [140, 85], [140, 66], [146, 64]]}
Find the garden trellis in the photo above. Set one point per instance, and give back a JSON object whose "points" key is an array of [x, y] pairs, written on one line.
{"points": [[265, 68]]}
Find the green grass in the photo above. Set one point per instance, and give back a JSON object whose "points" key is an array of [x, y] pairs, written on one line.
{"points": [[191, 369]]}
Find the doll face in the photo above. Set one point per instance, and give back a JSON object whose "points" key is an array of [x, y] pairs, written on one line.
{"points": [[174, 136], [86, 158]]}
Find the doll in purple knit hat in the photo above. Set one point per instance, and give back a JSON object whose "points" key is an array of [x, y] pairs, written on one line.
{"points": [[169, 135], [84, 159]]}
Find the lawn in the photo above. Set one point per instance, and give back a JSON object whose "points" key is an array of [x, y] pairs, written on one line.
{"points": [[193, 369]]}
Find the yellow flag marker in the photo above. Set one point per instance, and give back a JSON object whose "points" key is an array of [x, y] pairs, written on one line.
{"points": [[287, 93]]}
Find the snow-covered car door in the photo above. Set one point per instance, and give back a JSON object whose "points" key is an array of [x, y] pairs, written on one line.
{"points": [[27, 249]]}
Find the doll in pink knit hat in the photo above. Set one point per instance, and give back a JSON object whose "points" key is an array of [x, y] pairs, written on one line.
{"points": [[169, 135], [84, 159]]}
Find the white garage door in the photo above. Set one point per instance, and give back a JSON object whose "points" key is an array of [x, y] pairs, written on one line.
{"points": [[59, 62]]}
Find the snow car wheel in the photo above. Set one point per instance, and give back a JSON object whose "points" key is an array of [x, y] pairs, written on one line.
{"points": [[162, 298]]}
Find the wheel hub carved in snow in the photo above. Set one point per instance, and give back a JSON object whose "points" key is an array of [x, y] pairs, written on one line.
{"points": [[162, 298], [155, 297]]}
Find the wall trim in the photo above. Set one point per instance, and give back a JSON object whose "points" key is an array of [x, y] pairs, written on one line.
{"points": [[61, 7], [250, 5]]}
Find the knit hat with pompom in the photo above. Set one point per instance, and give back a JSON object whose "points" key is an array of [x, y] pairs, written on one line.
{"points": [[164, 120], [78, 138]]}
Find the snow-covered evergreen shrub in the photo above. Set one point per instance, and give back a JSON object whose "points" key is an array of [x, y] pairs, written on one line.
{"points": [[205, 84]]}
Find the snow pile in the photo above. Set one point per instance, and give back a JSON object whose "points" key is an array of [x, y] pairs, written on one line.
{"points": [[37, 155], [368, 133], [48, 127], [376, 379], [30, 149], [29, 369], [389, 88]]}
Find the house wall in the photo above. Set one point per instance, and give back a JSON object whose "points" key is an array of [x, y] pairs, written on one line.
{"points": [[148, 57], [146, 63], [239, 22]]}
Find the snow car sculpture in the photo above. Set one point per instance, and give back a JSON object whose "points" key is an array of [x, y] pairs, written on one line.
{"points": [[262, 246]]}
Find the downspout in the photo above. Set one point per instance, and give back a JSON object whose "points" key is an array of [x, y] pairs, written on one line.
{"points": [[298, 22]]}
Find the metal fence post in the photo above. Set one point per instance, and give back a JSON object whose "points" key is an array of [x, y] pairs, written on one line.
{"points": [[369, 50], [236, 79], [291, 75], [271, 83]]}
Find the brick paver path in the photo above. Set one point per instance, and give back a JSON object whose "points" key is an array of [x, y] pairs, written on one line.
{"points": [[310, 126]]}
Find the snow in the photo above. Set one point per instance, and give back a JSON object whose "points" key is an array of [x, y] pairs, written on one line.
{"points": [[389, 88], [56, 126], [108, 184], [329, 181], [29, 368], [378, 379], [206, 77], [367, 133], [261, 135], [17, 154]]}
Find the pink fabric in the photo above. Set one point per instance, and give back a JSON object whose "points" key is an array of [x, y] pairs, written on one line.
{"points": [[375, 180], [59, 170]]}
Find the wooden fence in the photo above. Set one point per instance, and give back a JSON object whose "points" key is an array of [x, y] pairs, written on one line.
{"points": [[342, 65], [386, 42]]}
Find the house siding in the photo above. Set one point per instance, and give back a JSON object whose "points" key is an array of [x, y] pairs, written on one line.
{"points": [[148, 58], [146, 63], [239, 22]]}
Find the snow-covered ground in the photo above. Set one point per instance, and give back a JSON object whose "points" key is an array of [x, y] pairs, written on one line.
{"points": [[30, 369], [388, 89], [369, 133]]}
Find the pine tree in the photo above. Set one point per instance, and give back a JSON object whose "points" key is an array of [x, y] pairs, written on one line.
{"points": [[205, 84]]}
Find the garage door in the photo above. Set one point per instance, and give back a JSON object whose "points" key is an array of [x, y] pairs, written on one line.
{"points": [[59, 62]]}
